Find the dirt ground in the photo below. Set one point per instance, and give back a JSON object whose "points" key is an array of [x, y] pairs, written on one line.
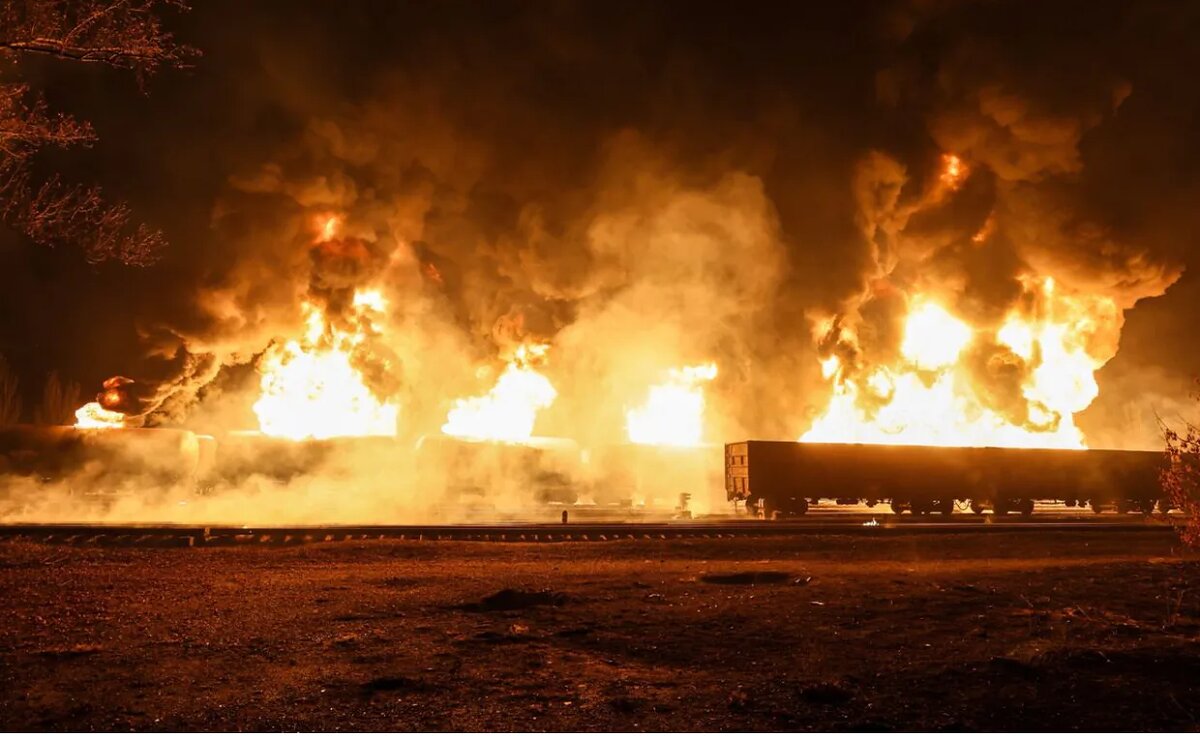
{"points": [[1034, 631]]}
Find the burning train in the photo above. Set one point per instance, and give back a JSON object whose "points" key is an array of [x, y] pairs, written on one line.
{"points": [[770, 479], [890, 434], [930, 405], [487, 446]]}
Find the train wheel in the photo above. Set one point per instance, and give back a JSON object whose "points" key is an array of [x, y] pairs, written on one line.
{"points": [[1097, 506], [1164, 506], [898, 507], [1000, 507], [800, 506], [1146, 506], [1025, 506], [977, 506], [946, 506], [1124, 506]]}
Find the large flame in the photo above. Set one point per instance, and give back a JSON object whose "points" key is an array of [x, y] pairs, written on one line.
{"points": [[954, 171], [509, 410], [94, 416], [673, 413], [104, 413], [311, 387], [927, 395]]}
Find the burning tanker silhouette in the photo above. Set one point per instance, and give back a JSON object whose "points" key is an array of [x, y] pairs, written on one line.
{"points": [[1017, 381], [331, 398]]}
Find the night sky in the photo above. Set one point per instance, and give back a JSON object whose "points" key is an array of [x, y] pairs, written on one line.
{"points": [[492, 137]]}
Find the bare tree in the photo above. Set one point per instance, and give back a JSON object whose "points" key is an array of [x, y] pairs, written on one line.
{"points": [[60, 399], [10, 400], [125, 34], [1181, 476]]}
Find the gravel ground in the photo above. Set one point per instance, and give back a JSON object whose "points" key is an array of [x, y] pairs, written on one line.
{"points": [[1047, 631]]}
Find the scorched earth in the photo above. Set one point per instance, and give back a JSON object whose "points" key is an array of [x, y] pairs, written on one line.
{"points": [[1053, 630]]}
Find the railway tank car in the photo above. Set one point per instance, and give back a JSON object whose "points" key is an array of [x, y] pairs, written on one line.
{"points": [[784, 478], [241, 455], [104, 460], [646, 476], [539, 469]]}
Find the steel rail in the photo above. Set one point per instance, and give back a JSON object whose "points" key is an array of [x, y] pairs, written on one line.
{"points": [[222, 535]]}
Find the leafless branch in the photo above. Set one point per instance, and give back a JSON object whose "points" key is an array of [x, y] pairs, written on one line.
{"points": [[125, 34], [54, 213]]}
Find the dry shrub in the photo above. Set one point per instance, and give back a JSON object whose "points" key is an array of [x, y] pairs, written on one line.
{"points": [[1181, 476], [60, 399]]}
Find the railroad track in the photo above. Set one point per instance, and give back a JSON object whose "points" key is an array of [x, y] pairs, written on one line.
{"points": [[173, 535]]}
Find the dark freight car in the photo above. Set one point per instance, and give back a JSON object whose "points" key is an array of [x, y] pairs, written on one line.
{"points": [[782, 478]]}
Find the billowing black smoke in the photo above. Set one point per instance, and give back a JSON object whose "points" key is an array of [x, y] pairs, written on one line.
{"points": [[646, 186]]}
